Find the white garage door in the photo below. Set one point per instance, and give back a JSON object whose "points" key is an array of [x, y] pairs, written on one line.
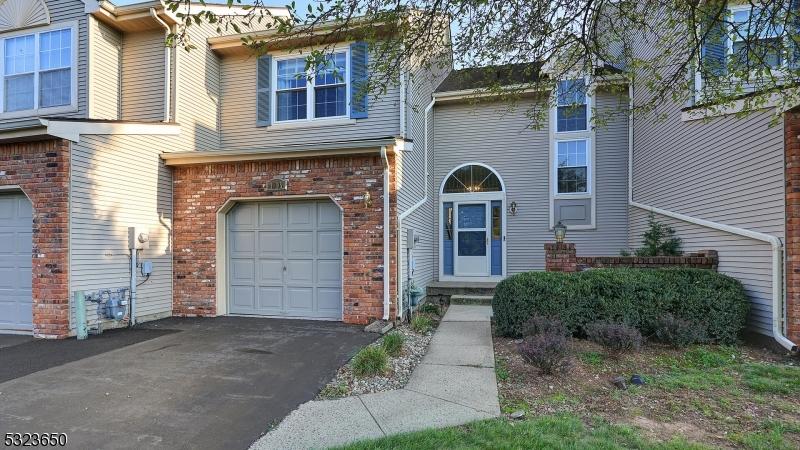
{"points": [[16, 244], [285, 259]]}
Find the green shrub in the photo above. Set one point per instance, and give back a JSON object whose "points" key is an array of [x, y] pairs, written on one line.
{"points": [[544, 324], [638, 297], [421, 323], [370, 361], [392, 343], [615, 338], [430, 308]]}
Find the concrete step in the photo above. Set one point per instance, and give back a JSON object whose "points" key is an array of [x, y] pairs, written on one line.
{"points": [[448, 288], [471, 300]]}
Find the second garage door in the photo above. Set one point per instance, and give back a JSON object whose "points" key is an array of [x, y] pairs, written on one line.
{"points": [[285, 259]]}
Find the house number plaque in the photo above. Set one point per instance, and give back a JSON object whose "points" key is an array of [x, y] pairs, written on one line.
{"points": [[277, 184]]}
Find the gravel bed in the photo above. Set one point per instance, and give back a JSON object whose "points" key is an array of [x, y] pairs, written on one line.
{"points": [[346, 383]]}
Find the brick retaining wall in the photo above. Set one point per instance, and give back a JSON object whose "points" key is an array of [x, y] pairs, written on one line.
{"points": [[563, 258]]}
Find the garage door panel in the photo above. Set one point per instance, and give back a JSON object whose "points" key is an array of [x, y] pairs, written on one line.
{"points": [[328, 215], [243, 242], [329, 300], [243, 216], [271, 216], [329, 272], [300, 215], [300, 271], [16, 244], [329, 243], [243, 297], [300, 243], [243, 270], [7, 246], [270, 243], [270, 299], [300, 299], [298, 257], [270, 271]]}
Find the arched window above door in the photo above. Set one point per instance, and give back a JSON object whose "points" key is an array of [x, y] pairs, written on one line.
{"points": [[472, 178]]}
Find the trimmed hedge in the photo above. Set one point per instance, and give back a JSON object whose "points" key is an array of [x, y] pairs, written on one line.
{"points": [[638, 297]]}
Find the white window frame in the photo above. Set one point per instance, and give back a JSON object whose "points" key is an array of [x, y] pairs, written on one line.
{"points": [[588, 98], [310, 86], [589, 168], [733, 37], [36, 32]]}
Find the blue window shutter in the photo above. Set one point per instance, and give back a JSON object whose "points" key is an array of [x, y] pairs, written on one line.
{"points": [[359, 96], [715, 49], [263, 93], [794, 33]]}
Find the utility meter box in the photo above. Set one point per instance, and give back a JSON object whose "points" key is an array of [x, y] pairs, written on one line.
{"points": [[147, 267], [412, 238], [138, 238]]}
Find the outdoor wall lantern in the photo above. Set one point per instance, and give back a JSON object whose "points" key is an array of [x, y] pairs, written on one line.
{"points": [[367, 199], [560, 231], [513, 208]]}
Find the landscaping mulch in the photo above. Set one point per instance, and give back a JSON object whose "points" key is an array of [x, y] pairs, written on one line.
{"points": [[742, 397]]}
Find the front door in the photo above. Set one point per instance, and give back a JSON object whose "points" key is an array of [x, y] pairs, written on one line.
{"points": [[472, 239]]}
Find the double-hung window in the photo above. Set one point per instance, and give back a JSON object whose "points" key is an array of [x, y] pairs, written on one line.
{"points": [[38, 70], [571, 146], [323, 96], [755, 39]]}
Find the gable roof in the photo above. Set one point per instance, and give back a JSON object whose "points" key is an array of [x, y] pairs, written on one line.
{"points": [[480, 77]]}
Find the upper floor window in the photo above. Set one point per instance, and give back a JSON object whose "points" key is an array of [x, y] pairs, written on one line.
{"points": [[571, 106], [37, 70], [572, 167], [287, 92], [755, 38]]}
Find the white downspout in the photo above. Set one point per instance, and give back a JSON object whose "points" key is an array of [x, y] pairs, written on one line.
{"points": [[167, 69], [386, 228], [778, 303], [403, 96], [176, 78], [413, 208]]}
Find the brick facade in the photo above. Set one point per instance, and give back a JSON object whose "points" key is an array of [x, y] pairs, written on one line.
{"points": [[41, 170], [563, 258], [200, 191], [792, 244]]}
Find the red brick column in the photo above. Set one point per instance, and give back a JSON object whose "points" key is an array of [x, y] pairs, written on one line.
{"points": [[200, 191], [560, 257], [792, 245], [41, 170]]}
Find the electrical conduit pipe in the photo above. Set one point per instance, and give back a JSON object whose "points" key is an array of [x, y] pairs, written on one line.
{"points": [[778, 302]]}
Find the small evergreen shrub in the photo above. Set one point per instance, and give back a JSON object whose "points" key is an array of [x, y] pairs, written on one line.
{"points": [[549, 352], [370, 361], [544, 324], [615, 338], [421, 323], [638, 297], [678, 332], [659, 240], [392, 343]]}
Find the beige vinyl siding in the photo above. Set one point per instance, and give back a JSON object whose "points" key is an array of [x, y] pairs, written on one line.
{"points": [[143, 76], [198, 84], [106, 71], [482, 134], [117, 182], [70, 10], [238, 114]]}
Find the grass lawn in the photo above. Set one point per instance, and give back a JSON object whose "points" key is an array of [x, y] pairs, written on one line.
{"points": [[696, 398]]}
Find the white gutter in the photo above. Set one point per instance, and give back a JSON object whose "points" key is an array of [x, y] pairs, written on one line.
{"points": [[167, 69], [386, 228], [778, 302], [413, 208]]}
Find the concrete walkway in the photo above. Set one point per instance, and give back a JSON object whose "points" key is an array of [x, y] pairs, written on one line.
{"points": [[454, 384]]}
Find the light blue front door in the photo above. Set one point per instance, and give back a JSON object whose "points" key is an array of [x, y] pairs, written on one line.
{"points": [[472, 240]]}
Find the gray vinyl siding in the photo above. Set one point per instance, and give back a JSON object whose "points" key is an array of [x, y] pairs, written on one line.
{"points": [[521, 156], [238, 114], [143, 76], [117, 182], [198, 84], [106, 71], [727, 171]]}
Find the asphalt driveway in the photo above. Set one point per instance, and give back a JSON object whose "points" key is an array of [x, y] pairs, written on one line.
{"points": [[217, 384]]}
